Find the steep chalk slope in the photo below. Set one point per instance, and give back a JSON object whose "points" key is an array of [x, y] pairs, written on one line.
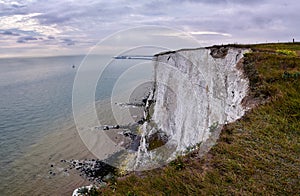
{"points": [[196, 92]]}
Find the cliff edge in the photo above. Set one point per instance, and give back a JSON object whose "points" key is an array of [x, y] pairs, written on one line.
{"points": [[196, 92]]}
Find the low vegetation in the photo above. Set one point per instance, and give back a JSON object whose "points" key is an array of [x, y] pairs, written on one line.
{"points": [[287, 52], [258, 154]]}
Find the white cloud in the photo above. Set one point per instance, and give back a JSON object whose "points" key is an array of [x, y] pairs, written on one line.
{"points": [[86, 23], [210, 33], [28, 23]]}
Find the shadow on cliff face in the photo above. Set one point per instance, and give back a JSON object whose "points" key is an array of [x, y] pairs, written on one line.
{"points": [[220, 52]]}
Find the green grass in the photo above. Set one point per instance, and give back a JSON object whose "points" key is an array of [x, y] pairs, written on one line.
{"points": [[258, 154], [286, 52]]}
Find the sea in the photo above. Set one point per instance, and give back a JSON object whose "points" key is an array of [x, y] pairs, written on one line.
{"points": [[37, 128]]}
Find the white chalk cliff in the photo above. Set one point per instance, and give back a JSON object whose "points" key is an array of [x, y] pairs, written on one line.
{"points": [[196, 91]]}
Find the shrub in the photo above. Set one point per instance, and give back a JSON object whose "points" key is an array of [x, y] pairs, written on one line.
{"points": [[287, 52]]}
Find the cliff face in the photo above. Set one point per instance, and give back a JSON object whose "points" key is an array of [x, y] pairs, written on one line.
{"points": [[197, 91]]}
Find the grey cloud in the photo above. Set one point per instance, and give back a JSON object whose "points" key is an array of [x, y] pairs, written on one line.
{"points": [[68, 42], [244, 2], [26, 39], [12, 9], [92, 20], [18, 6], [53, 18], [7, 32], [27, 33], [75, 14]]}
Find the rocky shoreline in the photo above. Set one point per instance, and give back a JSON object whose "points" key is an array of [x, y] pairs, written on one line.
{"points": [[96, 171]]}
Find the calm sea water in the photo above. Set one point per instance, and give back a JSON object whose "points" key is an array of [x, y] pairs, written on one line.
{"points": [[35, 94], [36, 100]]}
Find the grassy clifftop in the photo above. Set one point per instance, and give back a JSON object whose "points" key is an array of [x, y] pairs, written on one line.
{"points": [[259, 154]]}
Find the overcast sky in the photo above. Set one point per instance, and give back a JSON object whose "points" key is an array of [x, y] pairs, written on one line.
{"points": [[57, 27]]}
